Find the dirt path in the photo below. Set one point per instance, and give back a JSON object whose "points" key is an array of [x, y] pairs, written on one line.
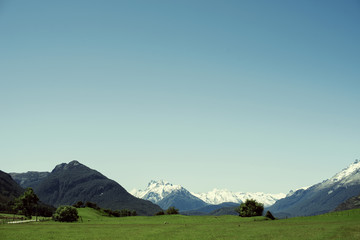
{"points": [[23, 221]]}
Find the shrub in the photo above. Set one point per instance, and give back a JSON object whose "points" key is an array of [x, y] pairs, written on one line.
{"points": [[250, 208], [79, 204], [160, 213], [66, 214], [92, 205], [269, 215], [172, 210]]}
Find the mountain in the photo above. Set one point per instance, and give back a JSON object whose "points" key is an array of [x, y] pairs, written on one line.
{"points": [[72, 182], [217, 196], [166, 195], [349, 204], [322, 197], [156, 190], [210, 209], [29, 179], [9, 189]]}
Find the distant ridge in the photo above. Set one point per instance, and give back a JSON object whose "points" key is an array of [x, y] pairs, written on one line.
{"points": [[218, 196], [29, 179]]}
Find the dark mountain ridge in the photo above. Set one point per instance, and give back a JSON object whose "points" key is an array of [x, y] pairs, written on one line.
{"points": [[72, 182]]}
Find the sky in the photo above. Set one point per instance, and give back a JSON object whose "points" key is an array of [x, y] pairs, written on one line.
{"points": [[249, 96]]}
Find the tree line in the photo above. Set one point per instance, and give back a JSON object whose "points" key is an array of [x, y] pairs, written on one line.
{"points": [[28, 205]]}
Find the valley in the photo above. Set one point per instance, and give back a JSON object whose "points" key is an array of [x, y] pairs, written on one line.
{"points": [[94, 225]]}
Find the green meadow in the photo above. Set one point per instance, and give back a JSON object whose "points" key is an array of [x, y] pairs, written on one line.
{"points": [[95, 225]]}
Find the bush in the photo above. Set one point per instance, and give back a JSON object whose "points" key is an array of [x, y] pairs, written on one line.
{"points": [[160, 213], [269, 215], [66, 214], [92, 205], [79, 204], [172, 210], [250, 208]]}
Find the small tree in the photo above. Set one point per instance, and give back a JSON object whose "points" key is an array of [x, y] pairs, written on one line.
{"points": [[26, 202], [250, 208], [172, 210], [66, 214]]}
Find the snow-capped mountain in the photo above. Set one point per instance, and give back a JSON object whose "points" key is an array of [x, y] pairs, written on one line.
{"points": [[158, 190], [166, 195], [322, 197], [218, 196]]}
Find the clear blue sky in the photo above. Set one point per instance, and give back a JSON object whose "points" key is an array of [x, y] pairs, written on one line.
{"points": [[244, 95]]}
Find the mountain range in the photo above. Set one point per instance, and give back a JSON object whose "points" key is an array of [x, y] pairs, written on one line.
{"points": [[166, 194], [68, 183], [322, 197]]}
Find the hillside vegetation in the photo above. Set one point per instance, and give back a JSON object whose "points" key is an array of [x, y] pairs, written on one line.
{"points": [[95, 225]]}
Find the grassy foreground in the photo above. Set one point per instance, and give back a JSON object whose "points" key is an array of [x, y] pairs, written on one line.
{"points": [[340, 225]]}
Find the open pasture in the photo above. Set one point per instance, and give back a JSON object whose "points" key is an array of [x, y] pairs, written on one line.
{"points": [[94, 225]]}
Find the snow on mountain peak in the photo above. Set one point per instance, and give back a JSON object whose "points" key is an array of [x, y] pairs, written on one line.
{"points": [[353, 168], [156, 190], [218, 196]]}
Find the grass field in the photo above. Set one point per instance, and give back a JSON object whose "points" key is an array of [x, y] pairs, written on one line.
{"points": [[94, 225]]}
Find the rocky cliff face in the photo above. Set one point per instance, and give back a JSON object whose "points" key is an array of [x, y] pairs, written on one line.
{"points": [[351, 203]]}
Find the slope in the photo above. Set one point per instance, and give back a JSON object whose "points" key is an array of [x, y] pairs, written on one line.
{"points": [[322, 197]]}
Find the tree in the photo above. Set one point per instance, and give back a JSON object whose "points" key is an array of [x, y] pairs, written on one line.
{"points": [[66, 214], [26, 203], [250, 208], [172, 210]]}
